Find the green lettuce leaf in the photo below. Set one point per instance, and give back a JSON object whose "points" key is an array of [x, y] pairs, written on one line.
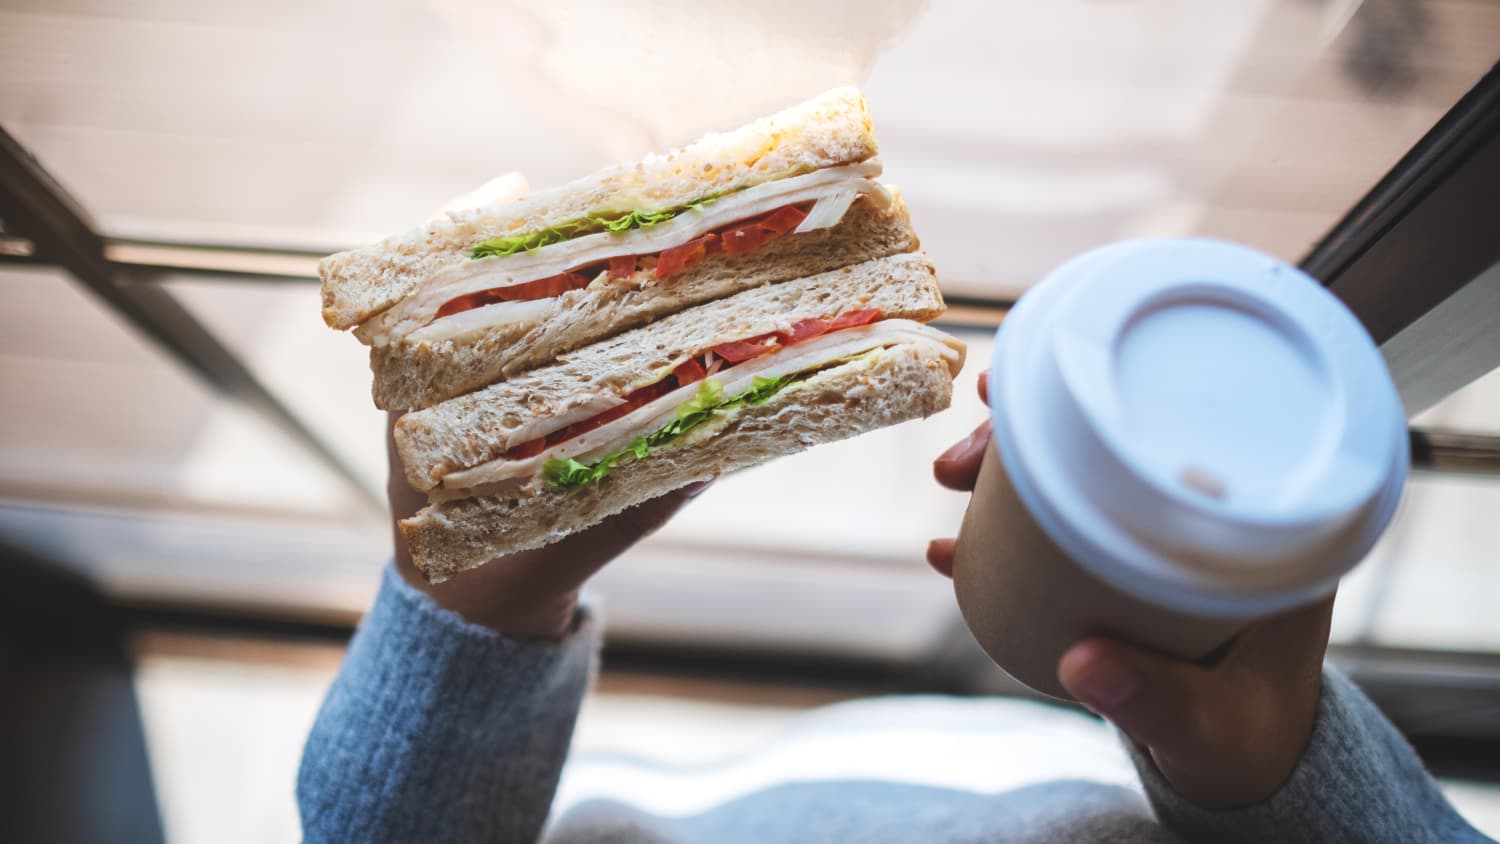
{"points": [[528, 242], [645, 219], [568, 473], [710, 395], [607, 221], [761, 392]]}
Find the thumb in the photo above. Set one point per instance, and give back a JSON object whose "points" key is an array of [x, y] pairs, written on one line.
{"points": [[1223, 736], [1193, 722], [1147, 696]]}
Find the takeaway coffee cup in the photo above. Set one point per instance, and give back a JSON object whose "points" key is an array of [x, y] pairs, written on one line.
{"points": [[1188, 435]]}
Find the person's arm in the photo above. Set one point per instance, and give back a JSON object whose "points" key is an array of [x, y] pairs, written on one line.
{"points": [[1257, 746], [452, 714], [438, 729]]}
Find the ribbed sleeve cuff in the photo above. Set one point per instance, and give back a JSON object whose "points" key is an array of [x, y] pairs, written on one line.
{"points": [[420, 647], [1358, 781], [431, 713]]}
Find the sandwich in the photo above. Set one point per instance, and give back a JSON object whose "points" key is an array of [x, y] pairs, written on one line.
{"points": [[699, 393], [566, 355], [484, 294]]}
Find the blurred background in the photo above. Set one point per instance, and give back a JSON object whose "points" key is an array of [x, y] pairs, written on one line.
{"points": [[194, 457]]}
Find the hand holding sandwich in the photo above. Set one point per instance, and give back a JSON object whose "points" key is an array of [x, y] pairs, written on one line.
{"points": [[1223, 735], [530, 594]]}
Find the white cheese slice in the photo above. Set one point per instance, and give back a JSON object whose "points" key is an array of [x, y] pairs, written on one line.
{"points": [[650, 417], [828, 211], [471, 276], [476, 319]]}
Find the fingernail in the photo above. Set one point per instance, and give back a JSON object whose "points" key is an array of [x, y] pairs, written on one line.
{"points": [[940, 556], [963, 447], [1107, 684], [693, 490]]}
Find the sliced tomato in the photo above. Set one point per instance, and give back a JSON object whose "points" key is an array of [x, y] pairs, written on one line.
{"points": [[743, 350], [735, 239], [674, 259], [542, 288], [746, 237], [784, 219], [690, 372], [554, 286], [587, 425], [527, 449], [804, 329], [863, 316], [464, 303], [622, 267]]}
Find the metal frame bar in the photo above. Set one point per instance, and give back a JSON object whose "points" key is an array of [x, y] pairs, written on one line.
{"points": [[33, 204], [136, 259], [1418, 258], [1455, 453]]}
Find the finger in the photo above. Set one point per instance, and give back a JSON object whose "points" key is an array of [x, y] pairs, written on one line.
{"points": [[1222, 736], [940, 555], [958, 467], [984, 386], [1148, 697]]}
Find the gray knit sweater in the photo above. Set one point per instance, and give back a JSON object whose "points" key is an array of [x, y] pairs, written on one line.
{"points": [[438, 730]]}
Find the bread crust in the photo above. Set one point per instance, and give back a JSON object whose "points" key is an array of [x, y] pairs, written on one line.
{"points": [[409, 376], [827, 131], [890, 386], [474, 428]]}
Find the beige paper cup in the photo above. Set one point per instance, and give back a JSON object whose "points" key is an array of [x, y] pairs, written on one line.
{"points": [[1026, 602], [1188, 435]]}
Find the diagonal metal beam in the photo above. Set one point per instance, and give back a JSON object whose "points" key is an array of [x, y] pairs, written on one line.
{"points": [[1456, 452], [1418, 258], [34, 205]]}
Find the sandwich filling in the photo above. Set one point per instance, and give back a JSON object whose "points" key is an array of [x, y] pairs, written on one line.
{"points": [[522, 285], [733, 239], [696, 391]]}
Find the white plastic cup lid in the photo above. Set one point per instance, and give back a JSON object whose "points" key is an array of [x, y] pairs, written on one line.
{"points": [[1199, 424]]}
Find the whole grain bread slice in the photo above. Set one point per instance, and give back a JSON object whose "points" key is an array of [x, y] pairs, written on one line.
{"points": [[829, 130], [891, 386]]}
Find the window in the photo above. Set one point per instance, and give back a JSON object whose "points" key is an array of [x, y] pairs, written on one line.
{"points": [[1019, 133]]}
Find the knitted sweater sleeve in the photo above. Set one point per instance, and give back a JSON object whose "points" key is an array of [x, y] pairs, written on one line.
{"points": [[440, 730], [1358, 781]]}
